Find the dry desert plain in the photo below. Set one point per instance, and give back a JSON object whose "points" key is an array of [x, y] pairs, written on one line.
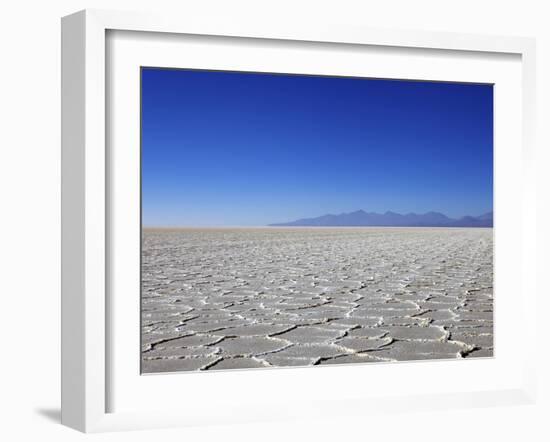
{"points": [[216, 299]]}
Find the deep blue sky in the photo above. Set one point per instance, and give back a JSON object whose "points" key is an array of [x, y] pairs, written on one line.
{"points": [[223, 148]]}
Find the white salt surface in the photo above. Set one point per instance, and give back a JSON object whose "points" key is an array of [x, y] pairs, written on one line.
{"points": [[247, 298]]}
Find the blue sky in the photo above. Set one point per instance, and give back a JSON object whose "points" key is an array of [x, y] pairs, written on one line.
{"points": [[228, 148]]}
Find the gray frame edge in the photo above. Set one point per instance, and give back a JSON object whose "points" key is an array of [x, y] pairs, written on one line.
{"points": [[73, 349], [83, 370]]}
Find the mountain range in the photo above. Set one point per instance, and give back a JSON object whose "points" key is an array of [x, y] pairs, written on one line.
{"points": [[392, 219]]}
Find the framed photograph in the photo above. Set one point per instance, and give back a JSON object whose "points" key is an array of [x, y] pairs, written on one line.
{"points": [[278, 219]]}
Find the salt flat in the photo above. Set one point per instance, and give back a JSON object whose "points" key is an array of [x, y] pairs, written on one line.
{"points": [[259, 297]]}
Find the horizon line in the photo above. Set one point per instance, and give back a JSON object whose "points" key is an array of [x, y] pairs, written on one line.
{"points": [[267, 226], [410, 213], [277, 224]]}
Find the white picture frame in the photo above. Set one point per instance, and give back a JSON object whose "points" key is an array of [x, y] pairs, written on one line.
{"points": [[87, 318]]}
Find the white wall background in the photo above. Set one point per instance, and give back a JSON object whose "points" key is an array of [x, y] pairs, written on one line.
{"points": [[30, 214]]}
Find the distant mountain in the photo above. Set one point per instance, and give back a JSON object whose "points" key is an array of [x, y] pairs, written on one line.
{"points": [[392, 219]]}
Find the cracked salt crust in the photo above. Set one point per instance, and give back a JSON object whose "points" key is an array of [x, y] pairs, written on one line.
{"points": [[215, 299]]}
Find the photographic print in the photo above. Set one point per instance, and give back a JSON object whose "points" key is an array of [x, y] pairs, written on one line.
{"points": [[304, 220]]}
